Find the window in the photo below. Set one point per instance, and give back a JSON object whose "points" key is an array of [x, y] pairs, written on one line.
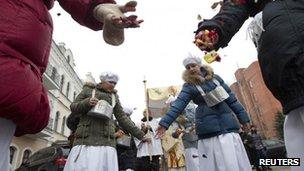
{"points": [[74, 96], [13, 151], [43, 154], [269, 143], [26, 155], [63, 125], [54, 73], [56, 120], [61, 82], [68, 58], [68, 89]]}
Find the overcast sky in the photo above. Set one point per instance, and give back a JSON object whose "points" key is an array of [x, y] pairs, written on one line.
{"points": [[154, 51]]}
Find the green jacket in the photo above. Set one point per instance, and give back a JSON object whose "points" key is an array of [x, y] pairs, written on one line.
{"points": [[94, 131]]}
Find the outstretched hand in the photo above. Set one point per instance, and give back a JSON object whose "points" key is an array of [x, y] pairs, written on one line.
{"points": [[114, 21], [114, 14], [206, 40], [130, 21], [160, 132]]}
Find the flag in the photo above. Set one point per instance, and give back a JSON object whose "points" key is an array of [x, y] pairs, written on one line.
{"points": [[157, 97]]}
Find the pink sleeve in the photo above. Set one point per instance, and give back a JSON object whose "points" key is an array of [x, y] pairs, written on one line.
{"points": [[82, 11]]}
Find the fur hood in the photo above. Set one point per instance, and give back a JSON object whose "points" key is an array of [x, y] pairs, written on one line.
{"points": [[198, 79], [97, 86]]}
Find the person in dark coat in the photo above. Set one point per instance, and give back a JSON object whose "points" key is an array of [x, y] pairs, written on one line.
{"points": [[280, 54], [126, 154], [94, 146], [257, 148]]}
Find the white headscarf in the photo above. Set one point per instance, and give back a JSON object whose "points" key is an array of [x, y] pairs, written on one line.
{"points": [[128, 111], [192, 60], [255, 28], [170, 100], [109, 76]]}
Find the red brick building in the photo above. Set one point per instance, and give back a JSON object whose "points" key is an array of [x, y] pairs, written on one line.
{"points": [[252, 92]]}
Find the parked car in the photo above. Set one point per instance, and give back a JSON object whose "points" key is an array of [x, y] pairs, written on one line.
{"points": [[275, 149], [51, 158]]}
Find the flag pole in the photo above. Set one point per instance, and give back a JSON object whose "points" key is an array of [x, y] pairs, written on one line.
{"points": [[147, 118]]}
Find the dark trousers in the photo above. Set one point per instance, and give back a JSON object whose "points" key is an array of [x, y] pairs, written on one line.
{"points": [[259, 154], [144, 164]]}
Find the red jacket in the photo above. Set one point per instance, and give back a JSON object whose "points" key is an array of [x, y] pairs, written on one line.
{"points": [[25, 40]]}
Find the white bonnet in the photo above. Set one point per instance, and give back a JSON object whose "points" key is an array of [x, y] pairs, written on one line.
{"points": [[128, 111], [192, 60], [109, 76], [170, 100]]}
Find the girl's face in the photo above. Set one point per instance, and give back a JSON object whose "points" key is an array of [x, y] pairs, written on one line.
{"points": [[108, 85], [193, 68]]}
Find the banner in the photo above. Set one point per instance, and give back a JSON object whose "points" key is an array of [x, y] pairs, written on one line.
{"points": [[157, 98]]}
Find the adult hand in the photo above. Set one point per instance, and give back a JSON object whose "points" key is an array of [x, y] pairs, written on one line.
{"points": [[160, 132], [114, 21], [114, 14], [93, 101], [206, 39]]}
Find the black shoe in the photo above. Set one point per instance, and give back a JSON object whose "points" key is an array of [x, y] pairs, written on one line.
{"points": [[259, 169]]}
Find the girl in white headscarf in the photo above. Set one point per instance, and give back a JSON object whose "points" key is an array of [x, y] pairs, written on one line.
{"points": [[94, 144]]}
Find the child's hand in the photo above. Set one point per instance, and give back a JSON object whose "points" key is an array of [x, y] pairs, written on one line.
{"points": [[119, 134], [246, 127], [179, 131], [93, 101], [160, 132]]}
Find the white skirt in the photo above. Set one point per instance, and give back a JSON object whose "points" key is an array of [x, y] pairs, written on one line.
{"points": [[294, 136], [92, 158], [192, 161], [7, 131], [223, 153]]}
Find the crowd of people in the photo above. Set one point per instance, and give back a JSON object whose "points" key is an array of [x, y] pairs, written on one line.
{"points": [[217, 145], [100, 143], [199, 131]]}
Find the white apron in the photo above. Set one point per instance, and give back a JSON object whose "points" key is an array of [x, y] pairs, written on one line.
{"points": [[225, 152], [192, 160], [92, 158], [294, 136], [7, 131]]}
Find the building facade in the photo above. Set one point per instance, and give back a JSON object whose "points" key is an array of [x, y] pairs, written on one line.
{"points": [[63, 85], [261, 105]]}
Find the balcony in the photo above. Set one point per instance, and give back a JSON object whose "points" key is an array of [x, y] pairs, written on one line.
{"points": [[51, 78]]}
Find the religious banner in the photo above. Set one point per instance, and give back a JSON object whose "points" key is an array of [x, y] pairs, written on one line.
{"points": [[157, 98]]}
